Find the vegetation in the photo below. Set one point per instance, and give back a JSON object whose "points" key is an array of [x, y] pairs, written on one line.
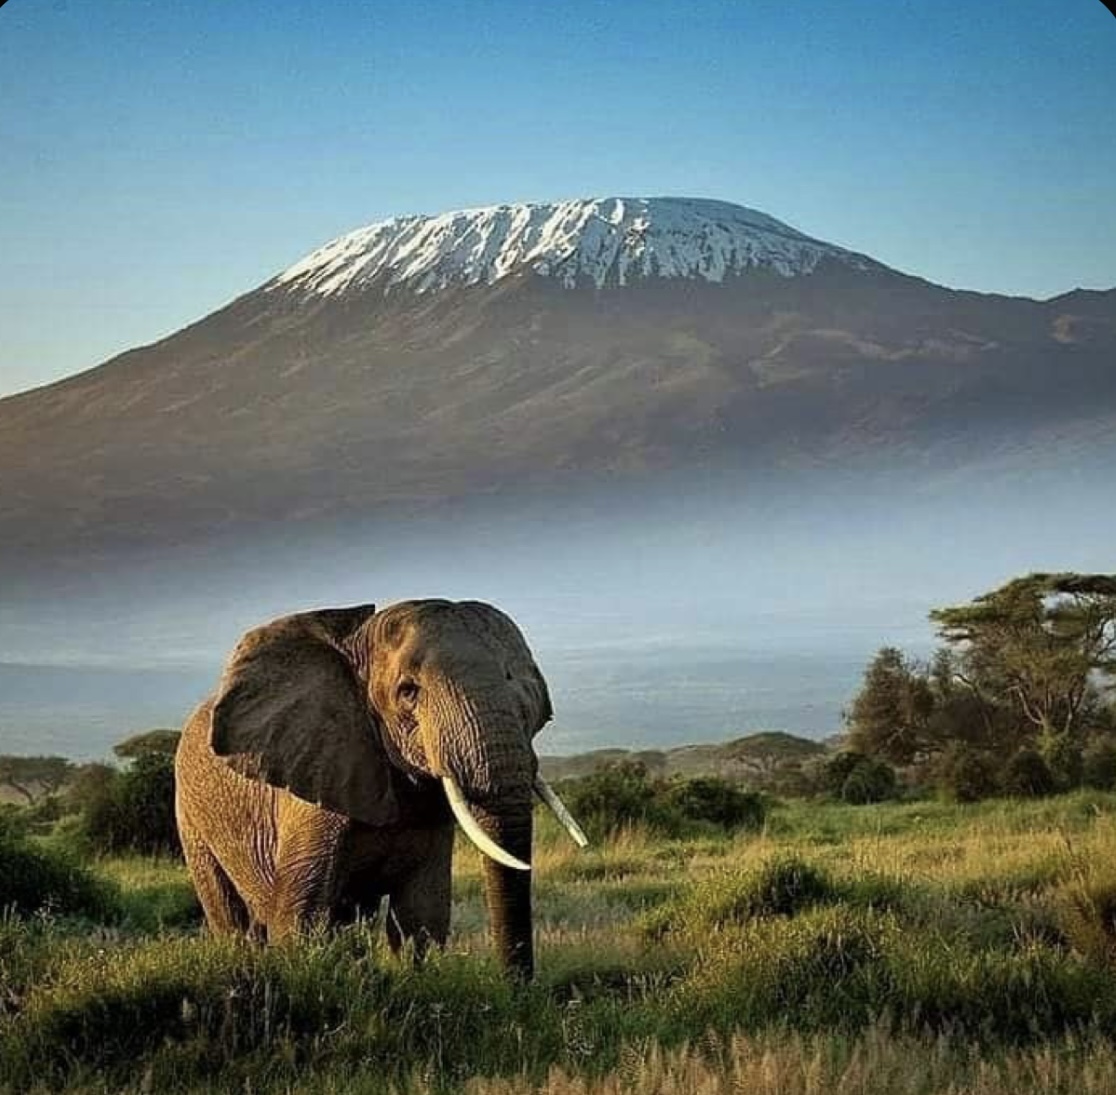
{"points": [[33, 778], [862, 937], [44, 881], [1027, 674], [161, 741], [770, 761], [134, 810], [916, 947], [107, 809], [622, 795]]}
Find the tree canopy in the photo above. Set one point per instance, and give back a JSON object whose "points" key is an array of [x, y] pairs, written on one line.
{"points": [[1043, 646], [891, 714], [1020, 697], [34, 777], [161, 741]]}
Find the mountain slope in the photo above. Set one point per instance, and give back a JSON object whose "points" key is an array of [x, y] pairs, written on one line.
{"points": [[527, 348]]}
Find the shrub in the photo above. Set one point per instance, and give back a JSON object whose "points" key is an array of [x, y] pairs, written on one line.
{"points": [[967, 774], [90, 784], [1063, 755], [1027, 775], [837, 770], [715, 801], [135, 810], [872, 780], [621, 794], [614, 797], [34, 880], [14, 823], [1098, 765]]}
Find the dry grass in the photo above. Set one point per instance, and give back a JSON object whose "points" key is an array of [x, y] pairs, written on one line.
{"points": [[874, 1064]]}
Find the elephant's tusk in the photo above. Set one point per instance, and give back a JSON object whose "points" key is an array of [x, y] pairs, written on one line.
{"points": [[471, 827], [550, 797]]}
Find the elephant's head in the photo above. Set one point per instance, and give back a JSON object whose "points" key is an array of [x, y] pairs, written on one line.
{"points": [[329, 703]]}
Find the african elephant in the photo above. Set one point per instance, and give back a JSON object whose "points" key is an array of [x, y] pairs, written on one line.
{"points": [[328, 768]]}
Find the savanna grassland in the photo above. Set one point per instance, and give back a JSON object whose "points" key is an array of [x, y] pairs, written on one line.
{"points": [[900, 948]]}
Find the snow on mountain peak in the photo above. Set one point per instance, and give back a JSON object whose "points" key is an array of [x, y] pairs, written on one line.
{"points": [[601, 241]]}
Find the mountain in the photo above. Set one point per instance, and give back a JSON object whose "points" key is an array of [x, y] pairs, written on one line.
{"points": [[524, 349]]}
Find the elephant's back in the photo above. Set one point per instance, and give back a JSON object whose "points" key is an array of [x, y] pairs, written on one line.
{"points": [[198, 770]]}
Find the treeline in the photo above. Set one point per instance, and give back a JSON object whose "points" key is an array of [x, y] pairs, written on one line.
{"points": [[98, 808], [1018, 701]]}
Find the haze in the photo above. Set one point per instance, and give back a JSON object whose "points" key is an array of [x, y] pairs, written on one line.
{"points": [[695, 612]]}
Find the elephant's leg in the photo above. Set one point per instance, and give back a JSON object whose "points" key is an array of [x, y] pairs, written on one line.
{"points": [[363, 894], [225, 911], [419, 902], [310, 878]]}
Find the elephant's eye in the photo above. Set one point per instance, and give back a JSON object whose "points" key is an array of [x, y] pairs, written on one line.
{"points": [[407, 692], [508, 675]]}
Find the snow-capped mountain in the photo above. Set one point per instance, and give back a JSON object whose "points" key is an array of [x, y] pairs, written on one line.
{"points": [[598, 241], [434, 358]]}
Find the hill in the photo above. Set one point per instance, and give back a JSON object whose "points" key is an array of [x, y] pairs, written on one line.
{"points": [[763, 760]]}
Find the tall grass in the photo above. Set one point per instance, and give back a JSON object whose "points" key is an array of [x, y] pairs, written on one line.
{"points": [[901, 948]]}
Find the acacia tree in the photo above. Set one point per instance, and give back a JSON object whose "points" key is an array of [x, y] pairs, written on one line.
{"points": [[34, 777], [161, 741], [1043, 645]]}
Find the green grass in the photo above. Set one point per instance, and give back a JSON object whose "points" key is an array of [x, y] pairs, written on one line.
{"points": [[891, 948], [154, 893]]}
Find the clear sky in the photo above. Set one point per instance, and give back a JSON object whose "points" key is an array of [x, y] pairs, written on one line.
{"points": [[157, 157]]}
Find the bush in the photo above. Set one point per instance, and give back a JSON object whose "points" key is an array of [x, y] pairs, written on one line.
{"points": [[967, 774], [872, 780], [134, 811], [14, 821], [717, 802], [1063, 755], [615, 797], [621, 794], [837, 770], [34, 880], [1027, 775], [90, 784], [858, 778], [1098, 765]]}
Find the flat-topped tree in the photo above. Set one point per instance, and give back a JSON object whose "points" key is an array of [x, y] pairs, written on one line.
{"points": [[1043, 645], [34, 777], [161, 741]]}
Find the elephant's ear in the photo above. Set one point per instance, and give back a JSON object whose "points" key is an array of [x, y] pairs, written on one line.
{"points": [[542, 694], [291, 711]]}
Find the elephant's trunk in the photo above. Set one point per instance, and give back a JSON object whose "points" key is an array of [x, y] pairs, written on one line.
{"points": [[485, 752], [508, 891]]}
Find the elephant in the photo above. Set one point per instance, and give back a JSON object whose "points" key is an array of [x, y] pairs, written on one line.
{"points": [[327, 770]]}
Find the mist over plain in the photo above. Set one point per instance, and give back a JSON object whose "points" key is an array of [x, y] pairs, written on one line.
{"points": [[696, 608]]}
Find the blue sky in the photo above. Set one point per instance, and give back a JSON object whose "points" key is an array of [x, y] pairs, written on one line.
{"points": [[158, 158]]}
